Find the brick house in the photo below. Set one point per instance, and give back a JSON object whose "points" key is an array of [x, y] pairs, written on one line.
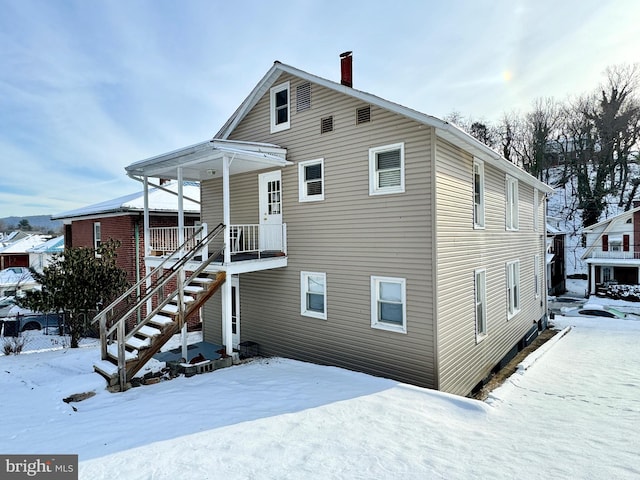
{"points": [[122, 219]]}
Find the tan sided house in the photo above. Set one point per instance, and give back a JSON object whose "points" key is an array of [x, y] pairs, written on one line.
{"points": [[344, 229]]}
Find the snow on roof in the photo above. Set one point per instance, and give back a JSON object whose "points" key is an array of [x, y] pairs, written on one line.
{"points": [[55, 245], [15, 275], [24, 244], [159, 201]]}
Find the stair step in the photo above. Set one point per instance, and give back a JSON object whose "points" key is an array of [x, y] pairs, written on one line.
{"points": [[147, 331], [138, 343], [161, 320], [106, 368], [200, 280], [170, 308], [112, 350], [187, 299], [193, 289]]}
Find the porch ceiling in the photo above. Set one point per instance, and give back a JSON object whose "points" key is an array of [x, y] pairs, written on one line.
{"points": [[204, 160]]}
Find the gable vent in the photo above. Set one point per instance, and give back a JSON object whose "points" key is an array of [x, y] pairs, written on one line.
{"points": [[303, 97], [326, 124], [363, 115]]}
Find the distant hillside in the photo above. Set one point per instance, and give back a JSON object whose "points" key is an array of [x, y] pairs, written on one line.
{"points": [[41, 223]]}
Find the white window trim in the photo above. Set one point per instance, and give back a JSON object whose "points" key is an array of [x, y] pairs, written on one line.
{"points": [[536, 275], [478, 223], [303, 295], [513, 294], [375, 290], [483, 290], [285, 125], [536, 209], [97, 239], [373, 178], [302, 191], [512, 194]]}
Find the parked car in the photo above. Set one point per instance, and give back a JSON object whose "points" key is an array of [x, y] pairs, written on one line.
{"points": [[40, 321], [596, 310], [6, 304], [558, 304]]}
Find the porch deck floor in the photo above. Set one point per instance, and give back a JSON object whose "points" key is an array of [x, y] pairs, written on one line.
{"points": [[241, 257], [208, 351]]}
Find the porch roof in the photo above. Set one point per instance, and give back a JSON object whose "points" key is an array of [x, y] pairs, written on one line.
{"points": [[204, 160], [617, 262]]}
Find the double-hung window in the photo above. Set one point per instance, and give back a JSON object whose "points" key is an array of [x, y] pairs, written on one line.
{"points": [[280, 110], [97, 237], [513, 288], [481, 304], [311, 180], [511, 219], [478, 194], [313, 294], [386, 169], [389, 304]]}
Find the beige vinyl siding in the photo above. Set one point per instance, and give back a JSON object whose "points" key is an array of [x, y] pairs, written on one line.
{"points": [[463, 362], [350, 236]]}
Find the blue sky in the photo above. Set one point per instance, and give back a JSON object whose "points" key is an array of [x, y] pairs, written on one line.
{"points": [[90, 86]]}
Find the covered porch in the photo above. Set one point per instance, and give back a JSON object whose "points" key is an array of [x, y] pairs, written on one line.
{"points": [[243, 247], [610, 271]]}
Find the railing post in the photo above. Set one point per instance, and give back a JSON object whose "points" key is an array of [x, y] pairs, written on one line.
{"points": [[284, 238], [103, 336], [205, 248], [122, 362]]}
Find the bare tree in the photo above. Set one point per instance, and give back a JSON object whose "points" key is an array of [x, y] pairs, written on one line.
{"points": [[599, 133]]}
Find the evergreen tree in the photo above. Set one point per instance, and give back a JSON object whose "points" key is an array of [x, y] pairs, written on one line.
{"points": [[78, 282]]}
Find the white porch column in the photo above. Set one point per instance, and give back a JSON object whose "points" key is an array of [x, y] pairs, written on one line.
{"points": [[180, 209], [227, 333], [226, 211], [592, 279], [147, 239], [181, 276]]}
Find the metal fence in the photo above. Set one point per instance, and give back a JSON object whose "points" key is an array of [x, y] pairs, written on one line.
{"points": [[29, 333]]}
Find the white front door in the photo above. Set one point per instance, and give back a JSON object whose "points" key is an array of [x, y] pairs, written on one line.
{"points": [[270, 191], [235, 311]]}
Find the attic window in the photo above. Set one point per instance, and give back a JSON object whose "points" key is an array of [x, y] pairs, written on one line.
{"points": [[326, 124], [363, 115], [303, 97]]}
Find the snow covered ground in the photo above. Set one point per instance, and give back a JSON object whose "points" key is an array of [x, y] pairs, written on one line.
{"points": [[573, 413]]}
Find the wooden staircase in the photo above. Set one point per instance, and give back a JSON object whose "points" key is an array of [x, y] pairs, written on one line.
{"points": [[135, 326]]}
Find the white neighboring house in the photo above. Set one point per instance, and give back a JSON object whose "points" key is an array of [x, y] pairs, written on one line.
{"points": [[612, 250], [14, 280], [15, 262], [41, 255]]}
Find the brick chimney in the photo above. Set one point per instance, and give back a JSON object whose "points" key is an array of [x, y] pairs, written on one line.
{"points": [[346, 69]]}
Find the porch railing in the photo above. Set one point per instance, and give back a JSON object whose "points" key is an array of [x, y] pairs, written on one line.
{"points": [[166, 239], [255, 238], [244, 238]]}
